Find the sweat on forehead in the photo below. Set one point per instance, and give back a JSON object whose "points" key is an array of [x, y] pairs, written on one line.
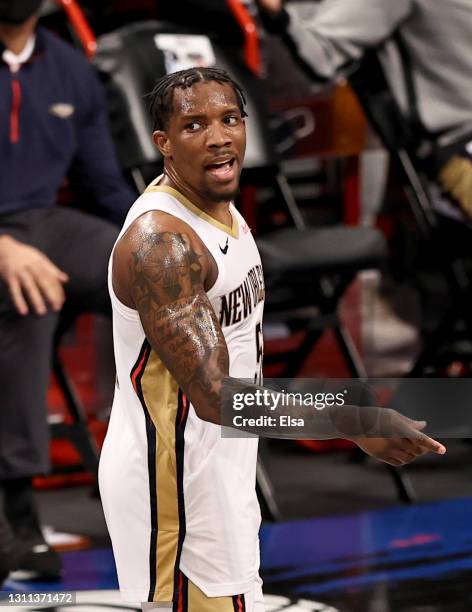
{"points": [[202, 96]]}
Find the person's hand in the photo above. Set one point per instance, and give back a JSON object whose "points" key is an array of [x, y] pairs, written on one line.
{"points": [[32, 278], [399, 451], [271, 6]]}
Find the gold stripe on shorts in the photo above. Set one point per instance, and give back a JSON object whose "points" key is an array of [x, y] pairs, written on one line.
{"points": [[161, 394]]}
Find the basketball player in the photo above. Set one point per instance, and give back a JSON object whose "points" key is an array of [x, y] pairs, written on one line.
{"points": [[179, 499]]}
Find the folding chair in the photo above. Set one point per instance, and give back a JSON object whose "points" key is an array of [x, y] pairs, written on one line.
{"points": [[75, 429], [452, 260]]}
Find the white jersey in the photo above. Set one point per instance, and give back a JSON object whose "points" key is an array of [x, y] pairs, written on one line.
{"points": [[175, 493]]}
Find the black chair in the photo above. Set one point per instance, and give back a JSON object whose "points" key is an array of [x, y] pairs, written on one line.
{"points": [[75, 430], [307, 269], [445, 242]]}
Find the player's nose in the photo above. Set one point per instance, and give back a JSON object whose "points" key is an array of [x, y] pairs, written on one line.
{"points": [[217, 135]]}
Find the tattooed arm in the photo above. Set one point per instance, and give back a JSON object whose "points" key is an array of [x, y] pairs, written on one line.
{"points": [[162, 269]]}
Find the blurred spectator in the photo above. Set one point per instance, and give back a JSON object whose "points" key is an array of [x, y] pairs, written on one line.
{"points": [[210, 16], [108, 15], [52, 258], [427, 60]]}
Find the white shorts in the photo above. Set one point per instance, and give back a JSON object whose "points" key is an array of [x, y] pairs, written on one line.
{"points": [[192, 599]]}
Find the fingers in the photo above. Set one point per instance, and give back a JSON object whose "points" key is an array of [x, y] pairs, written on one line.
{"points": [[53, 291], [30, 288], [402, 424], [424, 442], [36, 287], [418, 425], [404, 450], [34, 281], [431, 445], [55, 271], [17, 296], [395, 461]]}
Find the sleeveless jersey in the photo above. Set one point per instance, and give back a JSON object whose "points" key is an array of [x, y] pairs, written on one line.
{"points": [[176, 494]]}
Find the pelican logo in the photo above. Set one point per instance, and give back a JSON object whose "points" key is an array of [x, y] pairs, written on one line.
{"points": [[62, 110]]}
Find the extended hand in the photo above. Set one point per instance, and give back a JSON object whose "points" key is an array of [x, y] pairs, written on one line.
{"points": [[270, 6], [399, 451], [31, 277]]}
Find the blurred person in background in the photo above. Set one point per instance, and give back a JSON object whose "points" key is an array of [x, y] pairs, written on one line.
{"points": [[423, 43], [52, 258], [212, 16]]}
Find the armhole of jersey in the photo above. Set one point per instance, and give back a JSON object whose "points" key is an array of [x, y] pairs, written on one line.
{"points": [[213, 292], [125, 311]]}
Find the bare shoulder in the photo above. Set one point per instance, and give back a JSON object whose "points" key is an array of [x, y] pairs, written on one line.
{"points": [[161, 252]]}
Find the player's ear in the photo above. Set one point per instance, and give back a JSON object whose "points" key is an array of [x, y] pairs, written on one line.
{"points": [[162, 142]]}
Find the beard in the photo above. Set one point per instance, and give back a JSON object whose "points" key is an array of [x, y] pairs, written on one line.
{"points": [[216, 197]]}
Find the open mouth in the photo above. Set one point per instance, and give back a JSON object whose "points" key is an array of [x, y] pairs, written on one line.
{"points": [[223, 170]]}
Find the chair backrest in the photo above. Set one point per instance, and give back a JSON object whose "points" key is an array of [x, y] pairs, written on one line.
{"points": [[396, 133], [371, 87], [131, 60]]}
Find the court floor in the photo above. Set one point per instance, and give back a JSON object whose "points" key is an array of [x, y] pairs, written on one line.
{"points": [[401, 559]]}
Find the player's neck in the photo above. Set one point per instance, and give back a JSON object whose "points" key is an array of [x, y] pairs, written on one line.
{"points": [[15, 37], [218, 210]]}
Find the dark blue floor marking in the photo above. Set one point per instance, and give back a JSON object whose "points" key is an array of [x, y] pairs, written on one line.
{"points": [[395, 549], [85, 570], [359, 550]]}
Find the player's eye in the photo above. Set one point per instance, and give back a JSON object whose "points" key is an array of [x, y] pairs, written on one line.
{"points": [[193, 126], [231, 120]]}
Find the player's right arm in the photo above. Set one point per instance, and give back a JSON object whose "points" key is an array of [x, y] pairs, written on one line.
{"points": [[162, 269]]}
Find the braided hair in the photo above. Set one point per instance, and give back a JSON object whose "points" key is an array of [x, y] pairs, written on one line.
{"points": [[162, 96]]}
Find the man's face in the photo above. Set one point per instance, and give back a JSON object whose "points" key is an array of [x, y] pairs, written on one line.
{"points": [[205, 140], [16, 12]]}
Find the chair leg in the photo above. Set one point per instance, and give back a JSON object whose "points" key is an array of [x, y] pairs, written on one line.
{"points": [[404, 486], [405, 489], [265, 493], [350, 353], [77, 432]]}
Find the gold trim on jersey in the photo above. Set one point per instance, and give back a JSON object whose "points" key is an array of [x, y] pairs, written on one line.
{"points": [[232, 231], [160, 392]]}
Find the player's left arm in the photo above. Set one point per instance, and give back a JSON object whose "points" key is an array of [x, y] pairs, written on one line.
{"points": [[161, 269]]}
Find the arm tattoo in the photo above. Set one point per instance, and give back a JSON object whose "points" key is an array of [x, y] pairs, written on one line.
{"points": [[164, 268], [167, 280]]}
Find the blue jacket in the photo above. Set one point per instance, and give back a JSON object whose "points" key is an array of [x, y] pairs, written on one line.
{"points": [[53, 123]]}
